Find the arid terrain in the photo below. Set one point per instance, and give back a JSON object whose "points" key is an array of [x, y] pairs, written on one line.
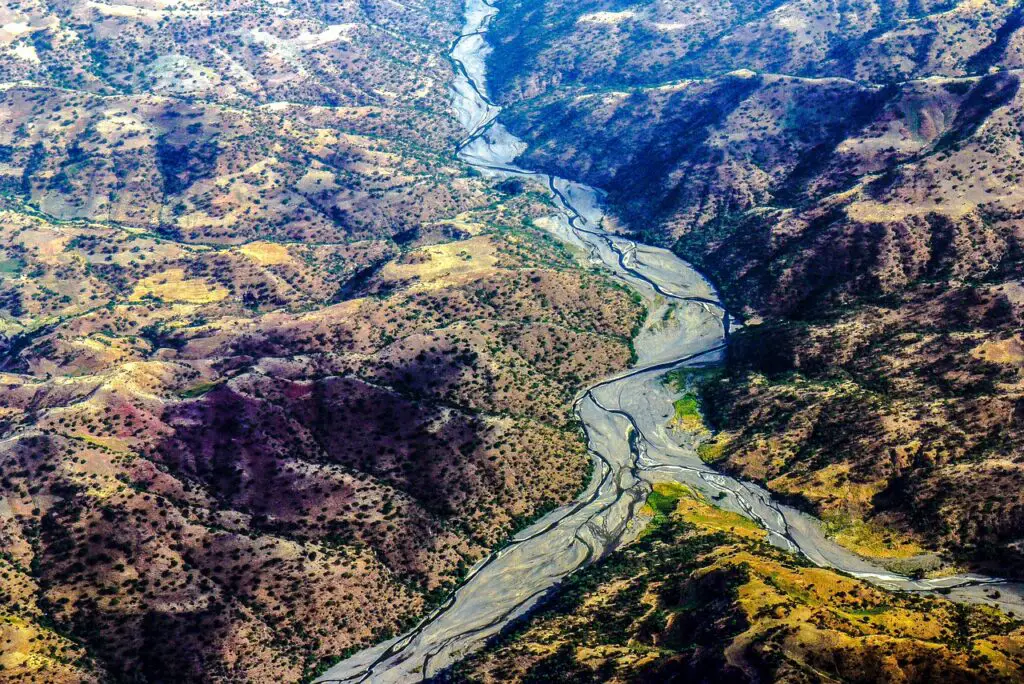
{"points": [[849, 175], [277, 368], [702, 598]]}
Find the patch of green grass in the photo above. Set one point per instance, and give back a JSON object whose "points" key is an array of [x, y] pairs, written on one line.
{"points": [[685, 379], [198, 390], [662, 504], [712, 450], [686, 407], [663, 500]]}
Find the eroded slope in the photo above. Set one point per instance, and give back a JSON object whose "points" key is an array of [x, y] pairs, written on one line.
{"points": [[702, 598], [276, 368], [850, 176]]}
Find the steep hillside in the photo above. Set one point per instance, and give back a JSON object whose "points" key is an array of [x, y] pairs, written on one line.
{"points": [[619, 43], [849, 175], [276, 368], [702, 598], [218, 122], [199, 486]]}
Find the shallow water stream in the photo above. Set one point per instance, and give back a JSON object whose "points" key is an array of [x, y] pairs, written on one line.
{"points": [[625, 418]]}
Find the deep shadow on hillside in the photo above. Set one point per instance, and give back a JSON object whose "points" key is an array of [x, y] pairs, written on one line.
{"points": [[850, 180]]}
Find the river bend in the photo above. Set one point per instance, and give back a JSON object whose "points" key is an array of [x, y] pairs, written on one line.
{"points": [[625, 418]]}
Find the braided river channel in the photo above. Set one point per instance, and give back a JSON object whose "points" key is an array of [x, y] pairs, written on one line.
{"points": [[625, 418]]}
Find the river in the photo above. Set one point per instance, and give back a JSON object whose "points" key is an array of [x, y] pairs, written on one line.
{"points": [[625, 418]]}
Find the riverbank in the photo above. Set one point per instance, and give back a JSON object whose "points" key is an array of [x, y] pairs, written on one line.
{"points": [[625, 419]]}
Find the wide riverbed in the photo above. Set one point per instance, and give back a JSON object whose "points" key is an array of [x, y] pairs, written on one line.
{"points": [[625, 418]]}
